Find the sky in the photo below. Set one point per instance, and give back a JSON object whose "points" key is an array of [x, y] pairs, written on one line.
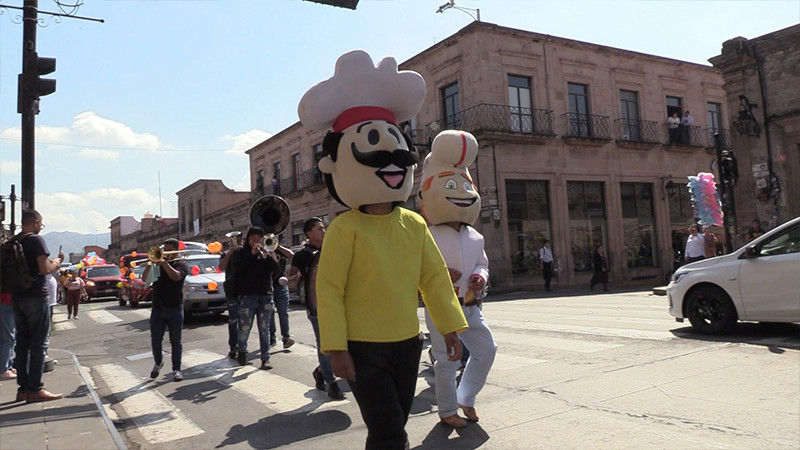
{"points": [[167, 92]]}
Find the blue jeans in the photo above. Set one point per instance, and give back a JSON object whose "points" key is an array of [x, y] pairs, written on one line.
{"points": [[281, 300], [32, 318], [251, 306], [324, 360], [233, 322], [7, 330], [160, 320]]}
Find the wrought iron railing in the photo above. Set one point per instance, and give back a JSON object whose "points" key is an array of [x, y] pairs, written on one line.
{"points": [[645, 131], [494, 118], [688, 136], [724, 134], [586, 126]]}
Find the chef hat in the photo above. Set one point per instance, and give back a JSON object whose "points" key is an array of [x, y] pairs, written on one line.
{"points": [[360, 91]]}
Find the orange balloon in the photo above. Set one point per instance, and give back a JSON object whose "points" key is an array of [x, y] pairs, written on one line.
{"points": [[214, 247], [133, 276], [212, 286], [134, 254]]}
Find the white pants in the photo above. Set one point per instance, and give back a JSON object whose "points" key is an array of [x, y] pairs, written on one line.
{"points": [[482, 349]]}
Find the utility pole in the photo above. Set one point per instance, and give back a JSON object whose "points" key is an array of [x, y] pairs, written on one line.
{"points": [[27, 103], [728, 170]]}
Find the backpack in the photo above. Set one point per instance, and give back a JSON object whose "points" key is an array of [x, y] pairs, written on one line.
{"points": [[15, 277]]}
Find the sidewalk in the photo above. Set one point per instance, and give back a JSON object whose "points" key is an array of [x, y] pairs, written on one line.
{"points": [[75, 421]]}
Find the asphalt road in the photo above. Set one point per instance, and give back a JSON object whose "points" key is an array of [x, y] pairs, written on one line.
{"points": [[573, 370]]}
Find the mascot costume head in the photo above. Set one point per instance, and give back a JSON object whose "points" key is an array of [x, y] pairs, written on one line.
{"points": [[447, 193], [366, 158]]}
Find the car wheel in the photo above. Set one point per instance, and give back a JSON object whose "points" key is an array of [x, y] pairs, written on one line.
{"points": [[710, 310]]}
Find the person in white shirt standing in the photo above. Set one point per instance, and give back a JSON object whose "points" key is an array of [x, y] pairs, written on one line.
{"points": [[686, 128], [695, 246], [546, 257]]}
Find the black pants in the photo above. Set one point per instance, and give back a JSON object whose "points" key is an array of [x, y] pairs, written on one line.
{"points": [[386, 379], [547, 273]]}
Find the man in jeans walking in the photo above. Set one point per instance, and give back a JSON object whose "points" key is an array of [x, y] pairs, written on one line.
{"points": [[32, 312], [253, 266], [167, 312]]}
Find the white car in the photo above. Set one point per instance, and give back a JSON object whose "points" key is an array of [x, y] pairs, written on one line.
{"points": [[759, 282], [202, 288]]}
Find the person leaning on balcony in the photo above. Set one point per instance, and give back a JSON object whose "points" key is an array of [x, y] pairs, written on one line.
{"points": [[673, 124], [686, 128]]}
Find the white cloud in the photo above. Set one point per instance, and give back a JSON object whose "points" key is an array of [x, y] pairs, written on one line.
{"points": [[10, 167], [243, 184], [245, 141]]}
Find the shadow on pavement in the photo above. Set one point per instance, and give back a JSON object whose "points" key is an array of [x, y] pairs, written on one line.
{"points": [[470, 437], [774, 336], [281, 429]]}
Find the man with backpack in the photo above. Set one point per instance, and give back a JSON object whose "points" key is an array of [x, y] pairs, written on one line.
{"points": [[31, 307]]}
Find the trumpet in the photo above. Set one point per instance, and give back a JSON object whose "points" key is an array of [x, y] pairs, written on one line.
{"points": [[156, 254], [268, 245]]}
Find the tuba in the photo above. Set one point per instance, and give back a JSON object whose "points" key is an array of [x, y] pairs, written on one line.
{"points": [[271, 213]]}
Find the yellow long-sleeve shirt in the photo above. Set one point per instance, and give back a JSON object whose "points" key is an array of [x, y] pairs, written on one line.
{"points": [[370, 271]]}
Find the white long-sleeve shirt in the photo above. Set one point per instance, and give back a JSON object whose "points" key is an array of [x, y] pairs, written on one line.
{"points": [[462, 250], [695, 246]]}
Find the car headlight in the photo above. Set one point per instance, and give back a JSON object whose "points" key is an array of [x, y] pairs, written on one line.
{"points": [[194, 288], [676, 277], [90, 283]]}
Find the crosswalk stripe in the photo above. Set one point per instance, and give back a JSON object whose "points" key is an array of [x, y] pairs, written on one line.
{"points": [[61, 323], [509, 362], [280, 394], [103, 316], [579, 329], [156, 417], [562, 344], [142, 312]]}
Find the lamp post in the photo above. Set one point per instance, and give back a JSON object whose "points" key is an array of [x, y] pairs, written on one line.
{"points": [[728, 174]]}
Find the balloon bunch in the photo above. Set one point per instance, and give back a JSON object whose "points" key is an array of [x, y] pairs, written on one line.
{"points": [[91, 259], [704, 199]]}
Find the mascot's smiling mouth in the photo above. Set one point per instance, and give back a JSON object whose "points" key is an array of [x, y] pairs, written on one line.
{"points": [[392, 175], [461, 202]]}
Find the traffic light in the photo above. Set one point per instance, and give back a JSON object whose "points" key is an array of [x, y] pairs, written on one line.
{"points": [[42, 86], [32, 85]]}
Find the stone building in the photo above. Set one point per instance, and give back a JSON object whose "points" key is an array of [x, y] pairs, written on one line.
{"points": [[574, 147], [207, 210], [762, 84], [129, 235]]}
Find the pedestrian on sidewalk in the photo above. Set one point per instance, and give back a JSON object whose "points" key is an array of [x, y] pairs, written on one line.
{"points": [[167, 310], [546, 257], [7, 332], [231, 299], [74, 286], [304, 268], [253, 266], [280, 289], [32, 312], [600, 264]]}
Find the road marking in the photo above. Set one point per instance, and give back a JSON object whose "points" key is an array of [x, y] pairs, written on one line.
{"points": [[508, 362], [102, 316], [144, 355], [578, 329], [142, 312], [156, 417], [61, 323], [280, 394], [570, 345]]}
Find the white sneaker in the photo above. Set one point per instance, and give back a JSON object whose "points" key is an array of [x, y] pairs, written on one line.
{"points": [[177, 376]]}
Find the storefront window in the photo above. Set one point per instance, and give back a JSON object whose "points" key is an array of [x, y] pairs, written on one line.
{"points": [[587, 222], [638, 222], [528, 212], [681, 215]]}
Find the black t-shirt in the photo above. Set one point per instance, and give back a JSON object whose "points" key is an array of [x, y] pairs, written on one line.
{"points": [[303, 260], [253, 274], [34, 246], [168, 293]]}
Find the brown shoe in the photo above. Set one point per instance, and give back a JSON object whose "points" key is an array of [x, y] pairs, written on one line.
{"points": [[21, 396], [469, 412], [42, 396], [454, 421]]}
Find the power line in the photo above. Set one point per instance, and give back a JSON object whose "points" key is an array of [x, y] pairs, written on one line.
{"points": [[129, 148]]}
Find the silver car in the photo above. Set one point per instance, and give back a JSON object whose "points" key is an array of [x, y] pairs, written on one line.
{"points": [[759, 282], [202, 289]]}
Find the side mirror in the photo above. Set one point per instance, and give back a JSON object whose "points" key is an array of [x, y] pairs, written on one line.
{"points": [[752, 251]]}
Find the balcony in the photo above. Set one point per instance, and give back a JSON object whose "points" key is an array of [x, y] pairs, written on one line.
{"points": [[723, 133], [637, 133], [309, 179], [586, 127], [489, 118], [683, 136]]}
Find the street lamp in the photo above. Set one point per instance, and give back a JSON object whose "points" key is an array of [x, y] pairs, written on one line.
{"points": [[745, 123], [452, 4], [668, 187]]}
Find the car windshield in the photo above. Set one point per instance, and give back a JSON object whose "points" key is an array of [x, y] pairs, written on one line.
{"points": [[109, 271], [787, 242], [203, 265]]}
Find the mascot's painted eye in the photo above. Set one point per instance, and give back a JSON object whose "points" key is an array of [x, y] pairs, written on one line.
{"points": [[451, 184], [468, 186], [373, 137]]}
